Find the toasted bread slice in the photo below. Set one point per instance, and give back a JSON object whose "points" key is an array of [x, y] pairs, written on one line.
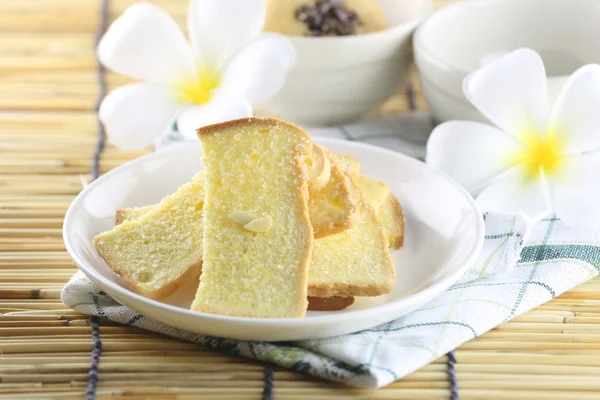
{"points": [[392, 217], [161, 249], [333, 208], [314, 303], [376, 192], [319, 168], [257, 166], [347, 163], [355, 262], [390, 214], [388, 209]]}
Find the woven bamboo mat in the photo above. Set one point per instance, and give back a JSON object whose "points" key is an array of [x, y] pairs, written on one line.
{"points": [[47, 136]]}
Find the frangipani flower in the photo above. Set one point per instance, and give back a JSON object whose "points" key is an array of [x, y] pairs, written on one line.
{"points": [[228, 65], [535, 160]]}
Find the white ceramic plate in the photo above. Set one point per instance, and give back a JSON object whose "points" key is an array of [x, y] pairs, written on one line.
{"points": [[444, 234]]}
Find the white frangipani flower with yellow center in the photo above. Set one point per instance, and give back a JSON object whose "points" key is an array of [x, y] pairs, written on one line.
{"points": [[536, 160], [228, 65]]}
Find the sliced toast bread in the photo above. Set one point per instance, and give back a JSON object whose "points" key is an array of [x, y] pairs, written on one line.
{"points": [[392, 217], [390, 214], [375, 191], [314, 303], [256, 166], [318, 166], [333, 208], [388, 209], [161, 249], [347, 163], [355, 262]]}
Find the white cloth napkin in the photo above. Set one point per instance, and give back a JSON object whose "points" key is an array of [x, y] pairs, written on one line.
{"points": [[519, 268]]}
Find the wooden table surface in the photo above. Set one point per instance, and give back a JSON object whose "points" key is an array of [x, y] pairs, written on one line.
{"points": [[48, 132]]}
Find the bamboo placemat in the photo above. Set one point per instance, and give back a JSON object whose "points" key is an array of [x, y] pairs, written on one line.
{"points": [[48, 133]]}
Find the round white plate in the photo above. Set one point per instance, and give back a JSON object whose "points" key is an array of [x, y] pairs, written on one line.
{"points": [[444, 234]]}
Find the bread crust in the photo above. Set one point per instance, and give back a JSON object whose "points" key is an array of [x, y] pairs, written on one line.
{"points": [[349, 290], [396, 231], [120, 216], [323, 168], [302, 193], [350, 166], [210, 129], [343, 220], [329, 303], [310, 237]]}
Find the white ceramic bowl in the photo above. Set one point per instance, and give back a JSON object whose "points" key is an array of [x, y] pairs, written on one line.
{"points": [[339, 79], [462, 36], [444, 234]]}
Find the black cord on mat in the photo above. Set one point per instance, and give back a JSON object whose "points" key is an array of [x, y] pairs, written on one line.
{"points": [[101, 77], [90, 391], [450, 371], [268, 388], [93, 376], [452, 376]]}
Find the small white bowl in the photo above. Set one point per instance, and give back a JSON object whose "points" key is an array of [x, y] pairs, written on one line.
{"points": [[339, 79], [462, 36]]}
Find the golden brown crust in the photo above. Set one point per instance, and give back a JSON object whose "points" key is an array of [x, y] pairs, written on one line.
{"points": [[322, 169], [334, 226], [120, 216], [396, 230], [329, 303], [347, 163], [341, 289], [209, 129], [343, 220], [305, 264]]}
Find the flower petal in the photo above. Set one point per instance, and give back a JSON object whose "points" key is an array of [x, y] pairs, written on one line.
{"points": [[512, 192], [220, 28], [221, 108], [576, 114], [135, 115], [260, 69], [511, 92], [146, 44], [470, 152], [576, 190]]}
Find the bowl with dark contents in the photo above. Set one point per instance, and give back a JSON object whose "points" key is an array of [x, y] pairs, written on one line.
{"points": [[352, 55]]}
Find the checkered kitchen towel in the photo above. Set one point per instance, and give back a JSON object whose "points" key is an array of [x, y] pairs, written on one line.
{"points": [[519, 268]]}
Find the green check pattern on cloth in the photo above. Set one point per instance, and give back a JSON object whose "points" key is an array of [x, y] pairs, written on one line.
{"points": [[520, 267]]}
